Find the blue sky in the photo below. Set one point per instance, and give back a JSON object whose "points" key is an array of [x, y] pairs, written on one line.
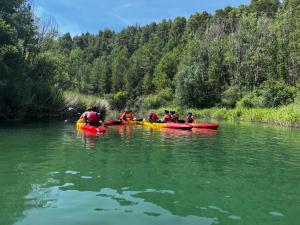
{"points": [[79, 16]]}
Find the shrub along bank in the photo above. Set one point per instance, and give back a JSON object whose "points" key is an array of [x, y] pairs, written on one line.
{"points": [[284, 115]]}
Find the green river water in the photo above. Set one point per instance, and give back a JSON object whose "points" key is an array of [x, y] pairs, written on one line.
{"points": [[247, 174]]}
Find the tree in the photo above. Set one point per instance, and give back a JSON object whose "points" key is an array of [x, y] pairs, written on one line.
{"points": [[268, 7], [166, 70], [119, 68], [176, 32], [100, 77]]}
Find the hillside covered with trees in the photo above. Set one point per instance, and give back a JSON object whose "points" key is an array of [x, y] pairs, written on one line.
{"points": [[247, 56]]}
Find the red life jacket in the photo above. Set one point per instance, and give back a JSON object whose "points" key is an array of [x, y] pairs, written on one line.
{"points": [[92, 117], [123, 116], [167, 118], [189, 119], [153, 117], [175, 118]]}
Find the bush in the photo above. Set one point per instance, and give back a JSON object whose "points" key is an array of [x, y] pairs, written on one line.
{"points": [[162, 98], [230, 96], [269, 95], [276, 93], [250, 100], [117, 101]]}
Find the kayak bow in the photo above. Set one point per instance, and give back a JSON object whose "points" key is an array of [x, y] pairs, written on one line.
{"points": [[91, 129], [205, 125]]}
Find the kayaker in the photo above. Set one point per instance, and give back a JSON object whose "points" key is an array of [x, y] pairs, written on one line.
{"points": [[91, 116], [175, 118], [129, 115], [123, 116], [167, 117], [189, 118], [152, 117]]}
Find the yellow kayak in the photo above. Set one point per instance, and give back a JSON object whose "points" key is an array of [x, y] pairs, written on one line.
{"points": [[182, 126]]}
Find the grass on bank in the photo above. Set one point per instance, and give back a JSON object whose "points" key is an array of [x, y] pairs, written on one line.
{"points": [[80, 102]]}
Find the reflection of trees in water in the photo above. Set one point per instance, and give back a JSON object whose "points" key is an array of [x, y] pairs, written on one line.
{"points": [[27, 153], [205, 169]]}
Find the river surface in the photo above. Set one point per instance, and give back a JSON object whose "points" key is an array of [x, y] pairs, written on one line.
{"points": [[247, 174]]}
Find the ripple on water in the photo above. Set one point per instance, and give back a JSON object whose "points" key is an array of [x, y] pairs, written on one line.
{"points": [[86, 177], [234, 217], [274, 213], [72, 172]]}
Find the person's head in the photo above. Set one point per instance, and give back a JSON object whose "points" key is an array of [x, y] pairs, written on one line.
{"points": [[173, 112], [89, 108], [190, 114], [94, 108], [166, 111]]}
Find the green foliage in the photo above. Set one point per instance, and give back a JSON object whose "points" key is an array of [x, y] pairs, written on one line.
{"points": [[162, 98], [251, 100], [269, 94], [44, 100], [117, 101], [265, 6], [206, 60], [276, 93], [119, 66], [230, 96], [166, 69], [80, 102]]}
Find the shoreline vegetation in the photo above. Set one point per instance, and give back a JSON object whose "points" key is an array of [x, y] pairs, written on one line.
{"points": [[288, 116], [239, 63]]}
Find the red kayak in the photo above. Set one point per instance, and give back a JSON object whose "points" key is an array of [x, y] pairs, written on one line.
{"points": [[181, 126], [91, 129], [205, 125], [114, 122]]}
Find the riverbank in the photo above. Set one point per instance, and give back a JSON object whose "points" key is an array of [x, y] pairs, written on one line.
{"points": [[59, 105], [284, 116]]}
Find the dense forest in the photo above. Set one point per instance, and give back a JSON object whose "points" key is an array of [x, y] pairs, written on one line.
{"points": [[247, 56]]}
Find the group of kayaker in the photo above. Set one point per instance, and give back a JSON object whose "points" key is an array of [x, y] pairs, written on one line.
{"points": [[92, 117], [169, 116], [127, 115]]}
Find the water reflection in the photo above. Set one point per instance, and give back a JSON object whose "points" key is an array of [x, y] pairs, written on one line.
{"points": [[89, 139], [205, 132], [197, 177], [107, 206]]}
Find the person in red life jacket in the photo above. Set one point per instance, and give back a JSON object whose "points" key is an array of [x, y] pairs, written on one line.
{"points": [[153, 117], [123, 116], [167, 117], [175, 118], [130, 115], [91, 116], [189, 118]]}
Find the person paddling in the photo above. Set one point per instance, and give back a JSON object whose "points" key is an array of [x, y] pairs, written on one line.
{"points": [[152, 117], [91, 116], [123, 116], [174, 117], [189, 118], [167, 117]]}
